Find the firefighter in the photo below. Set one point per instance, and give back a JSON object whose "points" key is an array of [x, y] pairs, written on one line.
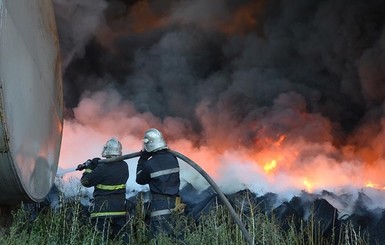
{"points": [[109, 181], [159, 168]]}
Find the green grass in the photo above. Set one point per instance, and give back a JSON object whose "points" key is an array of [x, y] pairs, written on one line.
{"points": [[68, 225]]}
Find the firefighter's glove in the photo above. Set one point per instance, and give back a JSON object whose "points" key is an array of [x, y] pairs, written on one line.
{"points": [[80, 167], [144, 156], [93, 163], [84, 165]]}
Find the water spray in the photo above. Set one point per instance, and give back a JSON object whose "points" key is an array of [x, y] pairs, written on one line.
{"points": [[66, 171], [233, 214]]}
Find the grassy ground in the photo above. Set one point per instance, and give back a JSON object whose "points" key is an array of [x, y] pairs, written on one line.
{"points": [[68, 225]]}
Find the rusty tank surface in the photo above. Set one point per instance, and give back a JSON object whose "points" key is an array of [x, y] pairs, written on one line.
{"points": [[31, 100]]}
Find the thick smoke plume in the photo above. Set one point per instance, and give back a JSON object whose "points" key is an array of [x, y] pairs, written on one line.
{"points": [[275, 95]]}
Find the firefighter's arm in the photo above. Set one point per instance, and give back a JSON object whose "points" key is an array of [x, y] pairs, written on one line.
{"points": [[144, 156], [92, 174], [89, 164], [142, 175]]}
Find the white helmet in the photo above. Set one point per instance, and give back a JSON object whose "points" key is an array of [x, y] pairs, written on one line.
{"points": [[112, 148], [153, 140]]}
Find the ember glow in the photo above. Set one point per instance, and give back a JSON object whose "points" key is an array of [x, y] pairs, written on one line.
{"points": [[266, 95], [281, 166]]}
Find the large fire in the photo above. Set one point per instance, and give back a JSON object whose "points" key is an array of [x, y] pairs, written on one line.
{"points": [[281, 164], [266, 95]]}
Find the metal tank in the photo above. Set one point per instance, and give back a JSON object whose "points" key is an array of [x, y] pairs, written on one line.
{"points": [[31, 100]]}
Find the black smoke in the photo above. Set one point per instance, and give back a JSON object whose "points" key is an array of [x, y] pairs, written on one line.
{"points": [[236, 73], [171, 58]]}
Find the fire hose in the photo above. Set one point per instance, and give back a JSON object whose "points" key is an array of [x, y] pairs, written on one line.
{"points": [[234, 215]]}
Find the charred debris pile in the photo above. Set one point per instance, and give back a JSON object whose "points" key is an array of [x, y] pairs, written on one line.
{"points": [[305, 208]]}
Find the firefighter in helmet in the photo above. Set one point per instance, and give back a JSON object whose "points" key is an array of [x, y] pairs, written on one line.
{"points": [[159, 168], [109, 182]]}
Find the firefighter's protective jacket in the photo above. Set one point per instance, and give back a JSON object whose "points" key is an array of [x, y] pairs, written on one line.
{"points": [[109, 180], [161, 172]]}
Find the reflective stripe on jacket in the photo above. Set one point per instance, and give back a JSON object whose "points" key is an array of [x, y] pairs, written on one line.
{"points": [[160, 172], [109, 180]]}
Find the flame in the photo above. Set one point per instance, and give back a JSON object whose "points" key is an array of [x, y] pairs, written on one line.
{"points": [[308, 184], [274, 163], [370, 184], [271, 157], [270, 166], [373, 185], [280, 140]]}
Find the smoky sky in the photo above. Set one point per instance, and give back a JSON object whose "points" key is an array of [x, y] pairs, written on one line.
{"points": [[232, 63]]}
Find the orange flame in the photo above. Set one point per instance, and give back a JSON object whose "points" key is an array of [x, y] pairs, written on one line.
{"points": [[370, 184], [270, 166], [300, 163], [373, 185], [280, 140], [308, 184]]}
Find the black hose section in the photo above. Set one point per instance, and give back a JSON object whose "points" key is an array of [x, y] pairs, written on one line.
{"points": [[209, 180], [219, 192]]}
